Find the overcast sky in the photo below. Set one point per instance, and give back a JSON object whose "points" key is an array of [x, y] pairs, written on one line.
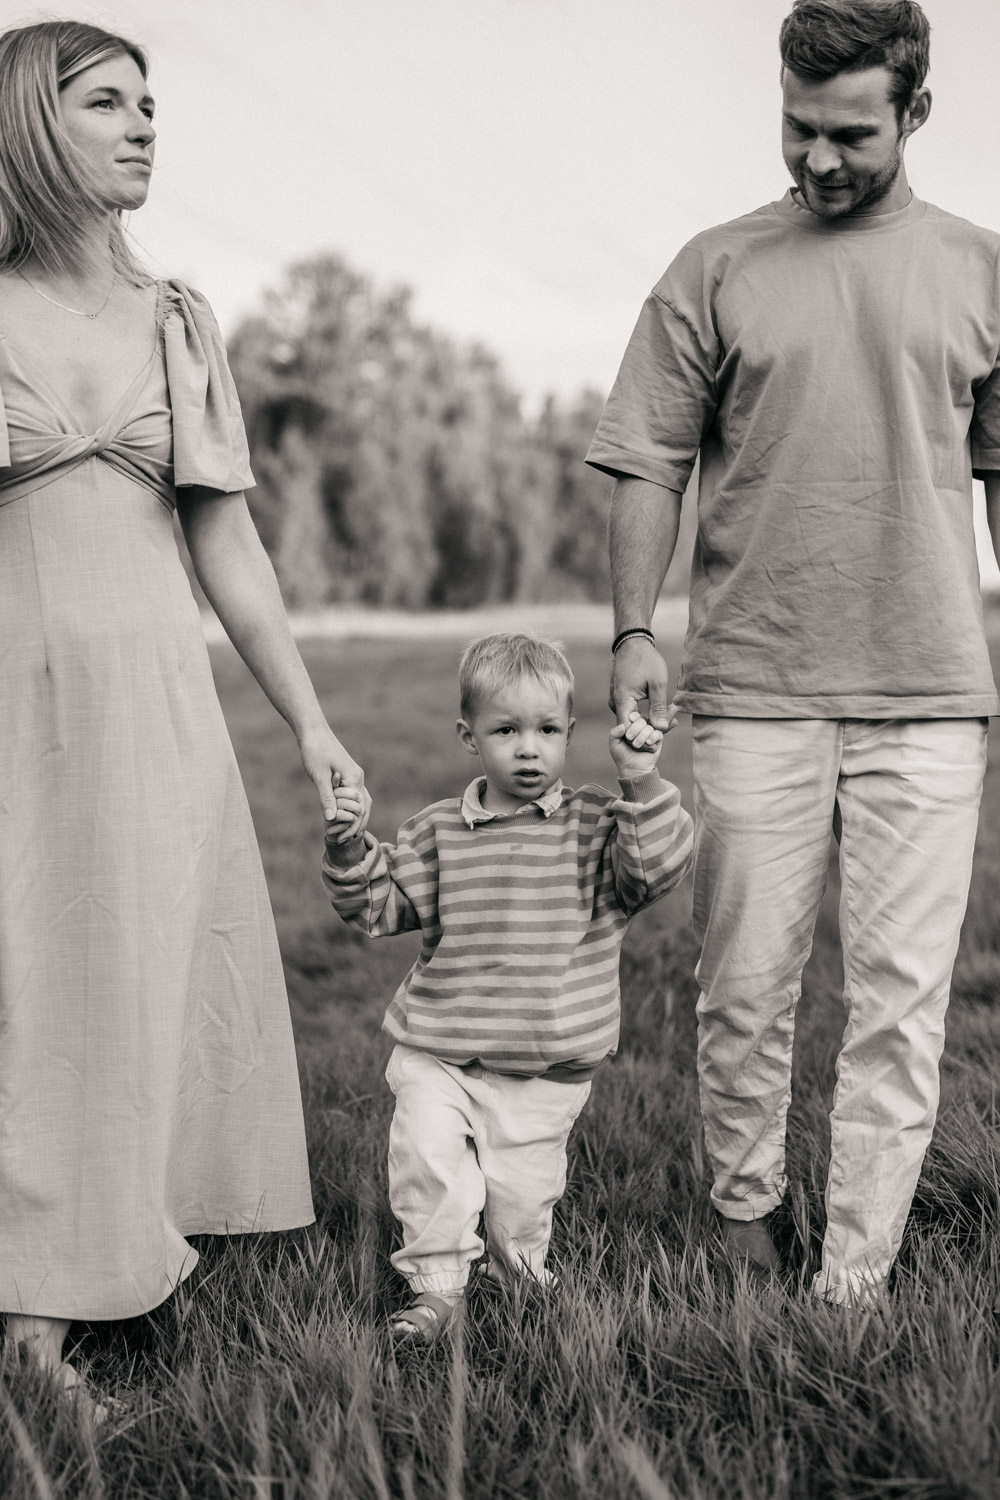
{"points": [[529, 167]]}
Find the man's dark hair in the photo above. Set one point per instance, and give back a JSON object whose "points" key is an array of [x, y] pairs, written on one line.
{"points": [[821, 38]]}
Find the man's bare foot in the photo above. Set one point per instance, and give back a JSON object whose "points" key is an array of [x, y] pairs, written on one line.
{"points": [[749, 1241]]}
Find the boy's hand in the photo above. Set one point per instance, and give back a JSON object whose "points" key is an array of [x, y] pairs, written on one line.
{"points": [[635, 746], [351, 817]]}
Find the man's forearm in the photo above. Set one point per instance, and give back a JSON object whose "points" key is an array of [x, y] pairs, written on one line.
{"points": [[642, 535], [992, 486]]}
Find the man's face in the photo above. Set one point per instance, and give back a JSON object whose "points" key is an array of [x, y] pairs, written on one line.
{"points": [[843, 142]]}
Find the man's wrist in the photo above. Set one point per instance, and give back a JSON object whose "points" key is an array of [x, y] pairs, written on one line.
{"points": [[630, 633]]}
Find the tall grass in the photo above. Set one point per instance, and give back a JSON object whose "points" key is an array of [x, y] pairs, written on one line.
{"points": [[652, 1372]]}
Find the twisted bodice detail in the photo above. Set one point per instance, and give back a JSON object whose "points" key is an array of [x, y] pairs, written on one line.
{"points": [[177, 423]]}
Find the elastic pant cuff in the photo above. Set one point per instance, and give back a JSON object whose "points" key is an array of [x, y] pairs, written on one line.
{"points": [[444, 1283]]}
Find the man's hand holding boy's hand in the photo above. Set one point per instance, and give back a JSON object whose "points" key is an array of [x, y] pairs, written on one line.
{"points": [[351, 818], [635, 746]]}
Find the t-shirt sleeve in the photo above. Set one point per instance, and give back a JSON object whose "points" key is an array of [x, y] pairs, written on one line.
{"points": [[984, 434], [664, 399]]}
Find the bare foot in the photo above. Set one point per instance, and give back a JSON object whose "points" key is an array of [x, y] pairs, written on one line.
{"points": [[69, 1385], [750, 1240]]}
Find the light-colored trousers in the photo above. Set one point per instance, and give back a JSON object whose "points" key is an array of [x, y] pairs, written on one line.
{"points": [[466, 1142], [903, 796]]}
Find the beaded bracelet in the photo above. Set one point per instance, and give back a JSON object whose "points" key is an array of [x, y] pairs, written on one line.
{"points": [[626, 635]]}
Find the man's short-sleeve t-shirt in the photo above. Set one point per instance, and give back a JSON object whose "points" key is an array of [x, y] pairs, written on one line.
{"points": [[840, 379]]}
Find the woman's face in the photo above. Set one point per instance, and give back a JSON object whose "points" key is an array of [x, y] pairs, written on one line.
{"points": [[108, 114]]}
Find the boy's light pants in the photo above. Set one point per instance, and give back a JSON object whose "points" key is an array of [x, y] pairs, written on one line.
{"points": [[905, 798], [463, 1140]]}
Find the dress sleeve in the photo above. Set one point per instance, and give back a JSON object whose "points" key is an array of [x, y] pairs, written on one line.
{"points": [[210, 444], [665, 398]]}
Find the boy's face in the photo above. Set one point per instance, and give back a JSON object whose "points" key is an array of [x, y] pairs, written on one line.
{"points": [[520, 734]]}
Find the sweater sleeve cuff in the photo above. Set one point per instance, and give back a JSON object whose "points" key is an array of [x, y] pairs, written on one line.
{"points": [[344, 856], [642, 788]]}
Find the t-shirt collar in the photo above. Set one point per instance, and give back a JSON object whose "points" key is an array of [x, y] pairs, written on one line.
{"points": [[474, 812], [791, 209]]}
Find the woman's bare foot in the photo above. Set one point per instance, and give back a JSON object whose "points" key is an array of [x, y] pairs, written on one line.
{"points": [[38, 1342], [70, 1386], [86, 1402]]}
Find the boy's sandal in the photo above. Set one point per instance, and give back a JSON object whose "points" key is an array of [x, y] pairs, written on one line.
{"points": [[425, 1319]]}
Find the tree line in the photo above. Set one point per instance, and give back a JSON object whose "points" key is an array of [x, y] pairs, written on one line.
{"points": [[395, 466]]}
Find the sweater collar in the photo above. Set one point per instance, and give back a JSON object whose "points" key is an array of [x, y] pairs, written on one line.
{"points": [[474, 812]]}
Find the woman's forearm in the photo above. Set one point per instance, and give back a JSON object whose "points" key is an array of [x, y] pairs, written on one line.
{"points": [[239, 583]]}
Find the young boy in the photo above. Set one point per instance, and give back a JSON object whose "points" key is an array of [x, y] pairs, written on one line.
{"points": [[522, 890]]}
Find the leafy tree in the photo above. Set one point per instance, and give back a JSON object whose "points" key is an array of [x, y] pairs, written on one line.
{"points": [[395, 466]]}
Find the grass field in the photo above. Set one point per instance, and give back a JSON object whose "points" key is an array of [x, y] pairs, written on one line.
{"points": [[649, 1374]]}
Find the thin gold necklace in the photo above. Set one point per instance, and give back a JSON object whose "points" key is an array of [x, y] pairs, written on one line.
{"points": [[74, 310]]}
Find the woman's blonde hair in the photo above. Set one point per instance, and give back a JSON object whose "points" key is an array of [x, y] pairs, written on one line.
{"points": [[46, 192]]}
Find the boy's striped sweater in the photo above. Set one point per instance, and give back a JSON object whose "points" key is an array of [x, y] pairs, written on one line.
{"points": [[522, 917]]}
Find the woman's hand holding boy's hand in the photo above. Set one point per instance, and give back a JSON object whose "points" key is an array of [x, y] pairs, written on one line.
{"points": [[332, 771], [351, 815], [635, 746]]}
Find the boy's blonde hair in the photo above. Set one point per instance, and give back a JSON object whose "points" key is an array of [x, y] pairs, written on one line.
{"points": [[498, 661]]}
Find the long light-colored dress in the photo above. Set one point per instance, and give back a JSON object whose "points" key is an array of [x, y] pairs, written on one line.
{"points": [[148, 1086]]}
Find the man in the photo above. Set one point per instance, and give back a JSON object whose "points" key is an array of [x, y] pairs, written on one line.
{"points": [[833, 358]]}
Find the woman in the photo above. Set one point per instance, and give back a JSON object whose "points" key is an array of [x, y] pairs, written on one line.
{"points": [[148, 1087]]}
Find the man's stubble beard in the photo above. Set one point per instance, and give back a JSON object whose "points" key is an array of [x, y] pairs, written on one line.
{"points": [[878, 188]]}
